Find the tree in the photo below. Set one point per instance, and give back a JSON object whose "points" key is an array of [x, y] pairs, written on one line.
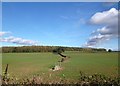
{"points": [[59, 51], [109, 50]]}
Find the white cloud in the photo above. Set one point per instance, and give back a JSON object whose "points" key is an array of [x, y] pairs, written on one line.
{"points": [[3, 33], [107, 30], [110, 30], [105, 17], [16, 40], [96, 40]]}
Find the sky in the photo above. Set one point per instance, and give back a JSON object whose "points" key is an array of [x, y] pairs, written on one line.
{"points": [[72, 24]]}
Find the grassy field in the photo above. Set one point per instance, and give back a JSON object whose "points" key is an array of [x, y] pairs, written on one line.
{"points": [[28, 64]]}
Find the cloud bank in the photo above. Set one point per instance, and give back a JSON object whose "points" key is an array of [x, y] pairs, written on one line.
{"points": [[16, 40], [3, 33], [109, 19]]}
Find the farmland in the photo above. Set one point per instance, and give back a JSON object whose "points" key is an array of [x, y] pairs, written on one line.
{"points": [[23, 65]]}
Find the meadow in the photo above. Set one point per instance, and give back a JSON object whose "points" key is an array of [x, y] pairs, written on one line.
{"points": [[23, 65]]}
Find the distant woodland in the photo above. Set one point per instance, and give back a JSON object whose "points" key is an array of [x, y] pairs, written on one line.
{"points": [[29, 49]]}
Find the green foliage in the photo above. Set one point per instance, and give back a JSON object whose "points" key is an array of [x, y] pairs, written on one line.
{"points": [[109, 50], [56, 49]]}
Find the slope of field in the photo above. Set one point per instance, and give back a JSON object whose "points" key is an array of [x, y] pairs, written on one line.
{"points": [[28, 64]]}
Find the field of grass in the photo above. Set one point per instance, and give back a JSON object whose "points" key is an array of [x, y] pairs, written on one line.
{"points": [[28, 64]]}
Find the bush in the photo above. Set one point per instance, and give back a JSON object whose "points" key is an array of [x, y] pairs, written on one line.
{"points": [[84, 80]]}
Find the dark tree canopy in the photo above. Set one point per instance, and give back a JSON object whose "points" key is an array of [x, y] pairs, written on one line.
{"points": [[109, 50], [59, 51], [55, 49]]}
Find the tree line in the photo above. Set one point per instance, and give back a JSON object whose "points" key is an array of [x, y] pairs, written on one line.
{"points": [[22, 49]]}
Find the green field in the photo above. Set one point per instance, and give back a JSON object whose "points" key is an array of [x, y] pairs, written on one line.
{"points": [[28, 64]]}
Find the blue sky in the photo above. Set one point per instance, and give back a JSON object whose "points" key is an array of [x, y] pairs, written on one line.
{"points": [[54, 24]]}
